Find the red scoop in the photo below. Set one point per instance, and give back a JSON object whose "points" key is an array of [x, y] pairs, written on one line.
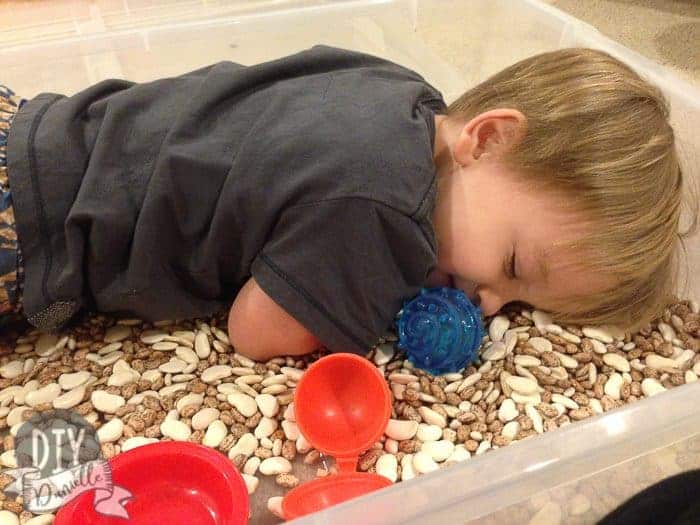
{"points": [[173, 482], [342, 406]]}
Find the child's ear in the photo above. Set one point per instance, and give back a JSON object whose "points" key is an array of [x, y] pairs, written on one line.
{"points": [[493, 132]]}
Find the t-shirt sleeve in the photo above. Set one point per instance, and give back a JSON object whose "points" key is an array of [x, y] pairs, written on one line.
{"points": [[343, 268]]}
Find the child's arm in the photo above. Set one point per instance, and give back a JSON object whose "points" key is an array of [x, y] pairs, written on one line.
{"points": [[261, 329]]}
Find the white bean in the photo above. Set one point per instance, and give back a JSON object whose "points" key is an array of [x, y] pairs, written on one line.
{"points": [[251, 483], [431, 417], [275, 465], [498, 327], [215, 434], [110, 431], [244, 403], [387, 466], [438, 450], [204, 418], [265, 427], [246, 445], [176, 430], [216, 372], [651, 387], [105, 402], [70, 398], [268, 404], [617, 362], [423, 463], [401, 430], [507, 411], [8, 518], [45, 394]]}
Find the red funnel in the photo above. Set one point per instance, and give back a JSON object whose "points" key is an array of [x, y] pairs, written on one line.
{"points": [[342, 406]]}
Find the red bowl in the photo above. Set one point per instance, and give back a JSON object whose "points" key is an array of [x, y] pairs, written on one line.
{"points": [[324, 492], [174, 483]]}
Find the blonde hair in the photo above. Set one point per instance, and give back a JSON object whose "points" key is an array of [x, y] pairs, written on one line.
{"points": [[600, 136]]}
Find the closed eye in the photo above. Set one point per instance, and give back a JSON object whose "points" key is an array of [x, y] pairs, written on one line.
{"points": [[510, 267]]}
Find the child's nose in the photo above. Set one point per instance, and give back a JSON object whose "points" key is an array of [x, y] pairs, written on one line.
{"points": [[489, 301]]}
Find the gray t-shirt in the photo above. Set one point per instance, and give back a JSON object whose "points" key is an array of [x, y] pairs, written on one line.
{"points": [[313, 173]]}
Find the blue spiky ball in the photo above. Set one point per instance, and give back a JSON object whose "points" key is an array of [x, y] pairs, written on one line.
{"points": [[440, 330]]}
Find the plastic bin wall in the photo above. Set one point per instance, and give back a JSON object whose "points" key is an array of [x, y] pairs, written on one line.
{"points": [[610, 454]]}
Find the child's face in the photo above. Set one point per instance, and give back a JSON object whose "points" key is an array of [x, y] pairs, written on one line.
{"points": [[485, 221]]}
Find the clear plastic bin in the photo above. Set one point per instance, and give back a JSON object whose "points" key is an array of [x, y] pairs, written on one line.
{"points": [[171, 37], [606, 459], [544, 479]]}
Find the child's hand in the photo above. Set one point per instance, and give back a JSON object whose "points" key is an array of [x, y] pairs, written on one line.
{"points": [[260, 329]]}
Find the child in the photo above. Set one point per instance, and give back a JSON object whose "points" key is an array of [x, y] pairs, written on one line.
{"points": [[318, 191]]}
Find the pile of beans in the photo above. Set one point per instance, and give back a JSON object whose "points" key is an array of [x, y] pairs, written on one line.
{"points": [[138, 383]]}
